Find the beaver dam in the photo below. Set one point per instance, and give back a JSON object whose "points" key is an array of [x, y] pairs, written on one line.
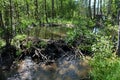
{"points": [[45, 60]]}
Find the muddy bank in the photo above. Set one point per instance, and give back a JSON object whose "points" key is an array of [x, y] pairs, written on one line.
{"points": [[62, 69], [41, 60]]}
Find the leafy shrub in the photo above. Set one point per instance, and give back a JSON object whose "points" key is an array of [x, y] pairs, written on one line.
{"points": [[29, 44], [43, 44], [81, 37], [2, 43], [73, 35], [20, 37], [16, 40], [90, 23], [105, 65], [18, 52]]}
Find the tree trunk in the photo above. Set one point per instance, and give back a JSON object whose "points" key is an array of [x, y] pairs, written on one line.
{"points": [[98, 6], [52, 9], [10, 32], [94, 12], [1, 20], [61, 9], [89, 8], [86, 10], [118, 47], [101, 7], [45, 11]]}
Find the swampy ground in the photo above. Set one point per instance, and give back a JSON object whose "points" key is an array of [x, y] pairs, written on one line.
{"points": [[59, 39], [43, 60]]}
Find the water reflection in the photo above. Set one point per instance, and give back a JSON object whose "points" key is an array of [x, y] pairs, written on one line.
{"points": [[62, 69]]}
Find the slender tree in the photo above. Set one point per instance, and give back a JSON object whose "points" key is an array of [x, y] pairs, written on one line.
{"points": [[94, 12], [118, 47], [89, 8], [98, 6], [45, 11], [101, 1], [52, 9], [61, 8], [1, 20], [9, 32]]}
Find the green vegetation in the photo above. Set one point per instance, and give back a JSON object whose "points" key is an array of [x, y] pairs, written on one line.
{"points": [[2, 43], [88, 25], [105, 64]]}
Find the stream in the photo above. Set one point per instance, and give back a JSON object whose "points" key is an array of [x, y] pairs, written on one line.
{"points": [[64, 68]]}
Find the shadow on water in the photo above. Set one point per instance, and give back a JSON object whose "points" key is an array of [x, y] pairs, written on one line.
{"points": [[62, 69]]}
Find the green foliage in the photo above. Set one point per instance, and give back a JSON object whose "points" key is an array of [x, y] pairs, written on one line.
{"points": [[29, 44], [2, 43], [43, 44], [17, 39], [18, 52], [103, 47], [20, 37], [111, 31], [82, 37], [87, 40], [73, 35], [78, 31], [26, 21], [90, 23], [1, 31], [105, 65]]}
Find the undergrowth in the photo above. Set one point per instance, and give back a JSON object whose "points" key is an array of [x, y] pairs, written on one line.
{"points": [[105, 64]]}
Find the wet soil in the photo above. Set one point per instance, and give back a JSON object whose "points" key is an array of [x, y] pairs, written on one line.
{"points": [[60, 60]]}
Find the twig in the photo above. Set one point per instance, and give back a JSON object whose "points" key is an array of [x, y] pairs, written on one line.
{"points": [[38, 51], [78, 52]]}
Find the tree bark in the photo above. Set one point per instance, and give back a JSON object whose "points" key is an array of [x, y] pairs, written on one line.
{"points": [[101, 7], [98, 6], [61, 8], [1, 20], [118, 47], [94, 12], [10, 32], [89, 8], [52, 9], [45, 11]]}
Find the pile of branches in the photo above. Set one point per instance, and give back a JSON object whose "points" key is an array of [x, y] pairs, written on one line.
{"points": [[53, 50]]}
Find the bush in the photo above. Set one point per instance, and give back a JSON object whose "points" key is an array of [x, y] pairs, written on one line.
{"points": [[16, 40], [72, 35], [105, 65], [2, 43], [82, 38]]}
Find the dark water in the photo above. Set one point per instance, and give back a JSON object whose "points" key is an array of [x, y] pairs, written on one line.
{"points": [[49, 32], [62, 69]]}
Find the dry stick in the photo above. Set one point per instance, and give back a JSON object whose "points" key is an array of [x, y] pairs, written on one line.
{"points": [[38, 51], [78, 52], [20, 56]]}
